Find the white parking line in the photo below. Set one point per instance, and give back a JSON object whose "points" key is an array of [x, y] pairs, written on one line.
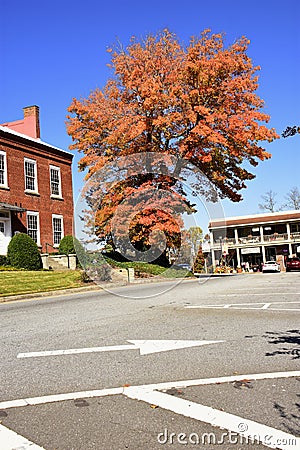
{"points": [[10, 440], [59, 397], [259, 294], [265, 288], [252, 306], [156, 386], [268, 436]]}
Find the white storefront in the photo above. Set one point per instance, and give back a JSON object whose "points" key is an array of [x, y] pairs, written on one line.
{"points": [[255, 238]]}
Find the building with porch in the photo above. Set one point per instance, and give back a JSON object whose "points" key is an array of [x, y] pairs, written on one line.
{"points": [[36, 194], [255, 239]]}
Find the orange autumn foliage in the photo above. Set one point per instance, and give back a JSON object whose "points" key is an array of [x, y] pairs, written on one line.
{"points": [[197, 102]]}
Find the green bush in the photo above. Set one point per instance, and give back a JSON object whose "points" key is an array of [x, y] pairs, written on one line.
{"points": [[23, 253], [3, 260], [67, 246]]}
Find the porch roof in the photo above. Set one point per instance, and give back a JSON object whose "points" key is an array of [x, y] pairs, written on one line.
{"points": [[256, 219], [14, 208]]}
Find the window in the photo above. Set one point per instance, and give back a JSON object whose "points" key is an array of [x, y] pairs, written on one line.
{"points": [[295, 227], [55, 183], [2, 227], [58, 231], [33, 226], [3, 169], [30, 175]]}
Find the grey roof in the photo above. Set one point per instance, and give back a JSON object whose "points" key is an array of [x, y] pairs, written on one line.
{"points": [[36, 140], [9, 207]]}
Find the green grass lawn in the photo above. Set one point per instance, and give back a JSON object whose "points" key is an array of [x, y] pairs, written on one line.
{"points": [[24, 282], [141, 268], [14, 282]]}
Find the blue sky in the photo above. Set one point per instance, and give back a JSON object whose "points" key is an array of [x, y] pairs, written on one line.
{"points": [[54, 51]]}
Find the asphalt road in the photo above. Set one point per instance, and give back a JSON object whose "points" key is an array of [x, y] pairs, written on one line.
{"points": [[201, 396]]}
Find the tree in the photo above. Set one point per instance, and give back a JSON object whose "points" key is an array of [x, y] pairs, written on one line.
{"points": [[199, 262], [195, 235], [196, 102], [270, 202], [293, 199]]}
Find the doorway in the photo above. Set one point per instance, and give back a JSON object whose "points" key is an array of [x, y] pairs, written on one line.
{"points": [[270, 254]]}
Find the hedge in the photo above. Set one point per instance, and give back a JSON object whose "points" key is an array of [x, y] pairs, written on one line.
{"points": [[67, 245], [23, 253]]}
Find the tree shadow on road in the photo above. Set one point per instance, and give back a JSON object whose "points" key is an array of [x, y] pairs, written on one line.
{"points": [[288, 343], [291, 420], [290, 340]]}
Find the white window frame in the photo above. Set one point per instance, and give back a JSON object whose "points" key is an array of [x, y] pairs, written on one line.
{"points": [[57, 216], [35, 190], [59, 195], [36, 214], [4, 185]]}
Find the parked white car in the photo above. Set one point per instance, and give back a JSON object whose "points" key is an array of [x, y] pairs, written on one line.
{"points": [[270, 266]]}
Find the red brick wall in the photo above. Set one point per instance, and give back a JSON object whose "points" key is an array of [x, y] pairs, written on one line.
{"points": [[16, 150]]}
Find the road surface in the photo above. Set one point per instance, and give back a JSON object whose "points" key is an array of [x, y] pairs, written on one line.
{"points": [[205, 364]]}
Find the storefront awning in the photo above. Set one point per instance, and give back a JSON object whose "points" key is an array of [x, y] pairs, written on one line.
{"points": [[14, 208]]}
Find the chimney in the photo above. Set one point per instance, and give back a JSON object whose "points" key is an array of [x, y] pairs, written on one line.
{"points": [[32, 118]]}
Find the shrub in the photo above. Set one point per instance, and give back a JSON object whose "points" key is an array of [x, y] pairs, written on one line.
{"points": [[84, 278], [66, 246], [100, 272], [23, 253], [3, 260]]}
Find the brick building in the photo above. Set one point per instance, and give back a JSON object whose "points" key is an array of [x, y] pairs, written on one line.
{"points": [[35, 185]]}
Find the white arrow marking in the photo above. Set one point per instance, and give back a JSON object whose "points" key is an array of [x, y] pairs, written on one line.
{"points": [[146, 347], [74, 351]]}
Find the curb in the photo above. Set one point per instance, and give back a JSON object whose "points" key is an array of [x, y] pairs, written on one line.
{"points": [[11, 298], [58, 292]]}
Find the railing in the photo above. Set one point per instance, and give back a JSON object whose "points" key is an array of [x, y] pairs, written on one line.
{"points": [[295, 236], [49, 245], [229, 241], [249, 240], [276, 237]]}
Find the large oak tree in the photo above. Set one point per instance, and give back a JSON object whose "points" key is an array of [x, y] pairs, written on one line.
{"points": [[197, 102]]}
